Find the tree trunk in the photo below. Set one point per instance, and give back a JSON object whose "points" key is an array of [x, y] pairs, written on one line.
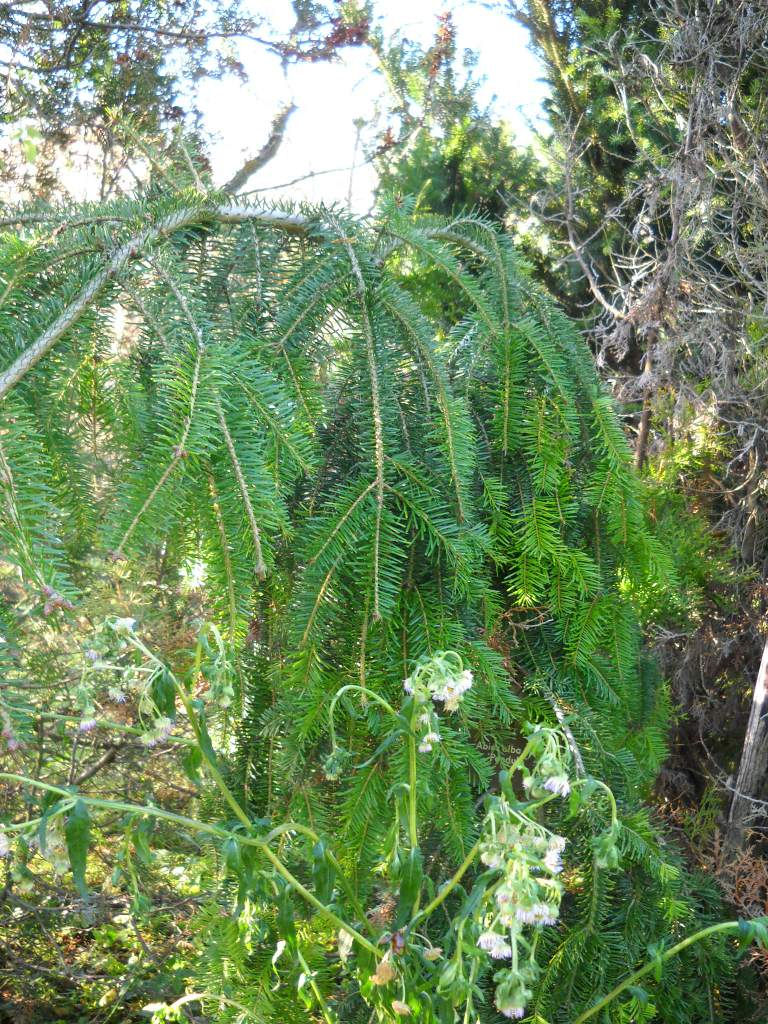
{"points": [[645, 417], [753, 757]]}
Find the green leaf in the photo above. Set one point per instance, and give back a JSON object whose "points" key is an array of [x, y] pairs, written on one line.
{"points": [[655, 952], [411, 875], [77, 831], [206, 745], [286, 926], [473, 900], [639, 994], [164, 693], [191, 762], [52, 808], [141, 833], [323, 873]]}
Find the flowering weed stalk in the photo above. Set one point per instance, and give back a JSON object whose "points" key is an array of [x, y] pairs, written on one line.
{"points": [[517, 862]]}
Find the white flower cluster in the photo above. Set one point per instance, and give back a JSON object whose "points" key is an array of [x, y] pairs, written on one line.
{"points": [[513, 991], [123, 626], [453, 690], [221, 676], [528, 894], [441, 678], [495, 945], [549, 774], [529, 859], [5, 846], [101, 665], [429, 730], [557, 784], [552, 858]]}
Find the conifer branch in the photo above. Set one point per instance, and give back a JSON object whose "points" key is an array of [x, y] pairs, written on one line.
{"points": [[342, 521], [504, 284], [227, 213], [226, 557], [318, 599], [260, 568], [179, 453], [378, 429], [13, 517], [442, 398], [268, 415], [266, 153]]}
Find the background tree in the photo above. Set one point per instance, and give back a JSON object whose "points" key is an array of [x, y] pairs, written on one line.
{"points": [[655, 201], [641, 213], [457, 157], [68, 68]]}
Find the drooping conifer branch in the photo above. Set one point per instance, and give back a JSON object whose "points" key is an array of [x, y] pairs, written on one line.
{"points": [[378, 430], [134, 248], [259, 568]]}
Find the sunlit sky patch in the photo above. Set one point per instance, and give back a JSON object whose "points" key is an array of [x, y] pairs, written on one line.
{"points": [[330, 97]]}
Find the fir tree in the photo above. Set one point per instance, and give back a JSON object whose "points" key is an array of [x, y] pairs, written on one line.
{"points": [[369, 490]]}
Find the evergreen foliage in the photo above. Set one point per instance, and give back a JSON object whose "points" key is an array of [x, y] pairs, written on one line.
{"points": [[363, 489]]}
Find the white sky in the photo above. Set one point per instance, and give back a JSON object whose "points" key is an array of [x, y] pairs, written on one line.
{"points": [[329, 97]]}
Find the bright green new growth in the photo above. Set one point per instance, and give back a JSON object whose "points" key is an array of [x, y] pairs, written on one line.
{"points": [[382, 441]]}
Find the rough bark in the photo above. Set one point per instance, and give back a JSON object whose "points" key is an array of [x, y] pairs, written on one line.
{"points": [[752, 766], [265, 154]]}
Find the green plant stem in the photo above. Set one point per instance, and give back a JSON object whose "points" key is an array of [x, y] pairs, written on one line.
{"points": [[119, 805], [104, 723], [198, 997], [213, 770], [243, 817], [469, 1009], [608, 791], [612, 798], [713, 929], [311, 898], [220, 833], [413, 831], [519, 760], [413, 834], [293, 826], [315, 988], [449, 886], [238, 810], [534, 806], [362, 689]]}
